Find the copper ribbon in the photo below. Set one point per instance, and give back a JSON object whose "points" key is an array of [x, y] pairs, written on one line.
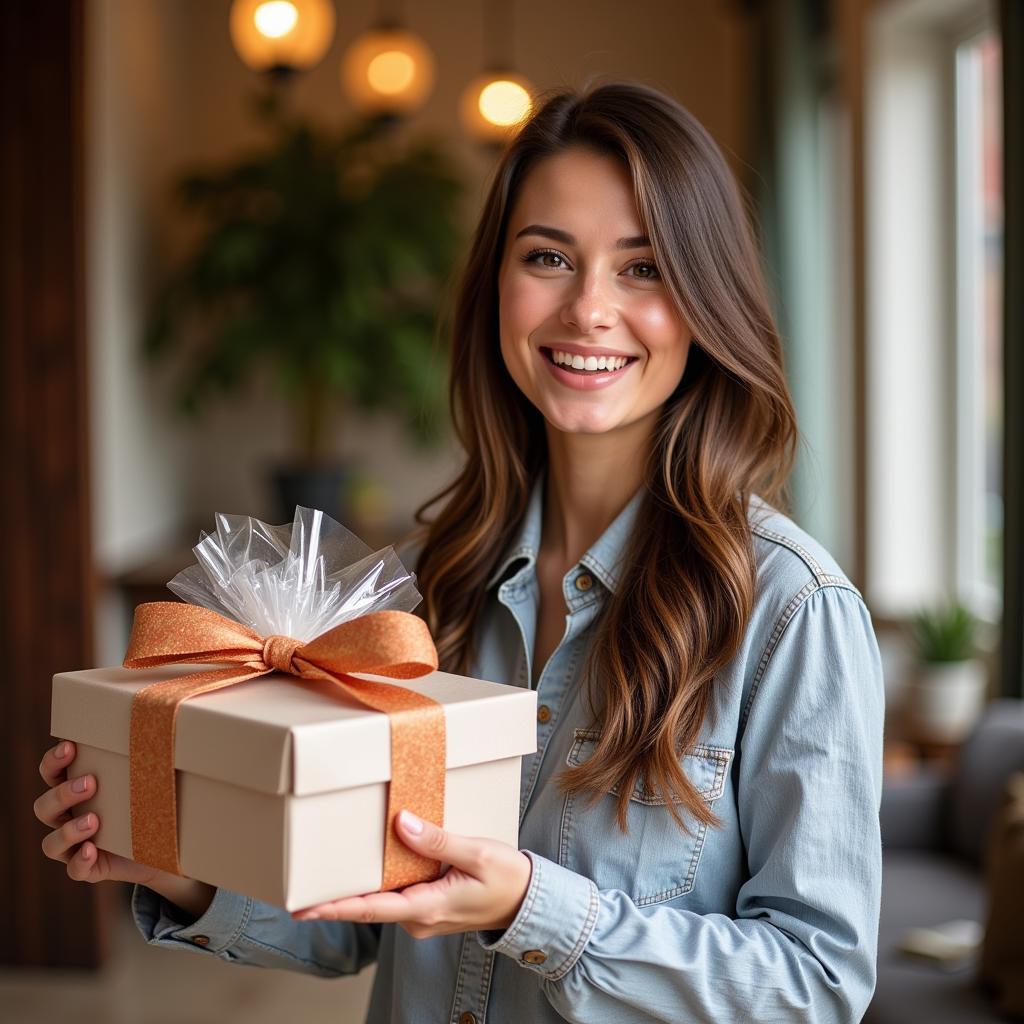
{"points": [[388, 643]]}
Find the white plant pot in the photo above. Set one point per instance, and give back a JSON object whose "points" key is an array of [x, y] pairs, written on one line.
{"points": [[945, 700]]}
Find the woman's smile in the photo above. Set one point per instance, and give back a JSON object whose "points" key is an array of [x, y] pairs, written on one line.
{"points": [[584, 368]]}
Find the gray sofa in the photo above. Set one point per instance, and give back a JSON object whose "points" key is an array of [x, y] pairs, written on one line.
{"points": [[935, 829]]}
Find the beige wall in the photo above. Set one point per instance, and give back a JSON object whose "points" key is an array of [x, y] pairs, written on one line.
{"points": [[166, 89]]}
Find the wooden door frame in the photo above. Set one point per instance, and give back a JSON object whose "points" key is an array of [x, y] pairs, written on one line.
{"points": [[1011, 30], [47, 575]]}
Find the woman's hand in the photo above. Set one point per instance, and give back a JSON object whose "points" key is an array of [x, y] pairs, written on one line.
{"points": [[481, 891], [70, 842]]}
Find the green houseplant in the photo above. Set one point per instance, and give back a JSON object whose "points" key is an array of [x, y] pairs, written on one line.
{"points": [[946, 633], [322, 257], [947, 690]]}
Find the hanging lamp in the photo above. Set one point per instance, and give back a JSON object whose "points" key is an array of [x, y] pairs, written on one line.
{"points": [[281, 36], [388, 70], [498, 99]]}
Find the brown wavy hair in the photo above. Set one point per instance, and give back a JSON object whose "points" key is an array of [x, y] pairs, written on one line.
{"points": [[728, 431]]}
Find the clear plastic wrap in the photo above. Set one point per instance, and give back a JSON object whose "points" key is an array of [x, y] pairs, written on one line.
{"points": [[297, 580]]}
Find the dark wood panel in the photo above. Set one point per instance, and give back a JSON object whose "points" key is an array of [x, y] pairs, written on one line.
{"points": [[1012, 32], [46, 620]]}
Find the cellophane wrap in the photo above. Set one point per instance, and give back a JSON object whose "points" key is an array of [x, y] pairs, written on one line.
{"points": [[297, 580]]}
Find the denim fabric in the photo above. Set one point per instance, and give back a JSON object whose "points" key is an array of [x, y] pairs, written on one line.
{"points": [[771, 917]]}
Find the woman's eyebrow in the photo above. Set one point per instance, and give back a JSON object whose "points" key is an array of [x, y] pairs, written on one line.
{"points": [[557, 235]]}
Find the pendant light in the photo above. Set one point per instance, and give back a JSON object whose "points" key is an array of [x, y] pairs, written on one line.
{"points": [[388, 70], [281, 36], [498, 99]]}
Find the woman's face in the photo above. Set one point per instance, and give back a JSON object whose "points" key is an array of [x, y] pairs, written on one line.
{"points": [[588, 330]]}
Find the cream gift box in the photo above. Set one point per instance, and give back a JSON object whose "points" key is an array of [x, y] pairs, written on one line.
{"points": [[282, 782]]}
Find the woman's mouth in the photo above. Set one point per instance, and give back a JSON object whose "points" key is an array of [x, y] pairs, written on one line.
{"points": [[587, 365], [585, 372]]}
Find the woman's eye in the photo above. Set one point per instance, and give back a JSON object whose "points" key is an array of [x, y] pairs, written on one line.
{"points": [[545, 258], [650, 271]]}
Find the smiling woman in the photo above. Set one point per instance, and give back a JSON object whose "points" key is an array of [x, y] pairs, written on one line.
{"points": [[699, 826]]}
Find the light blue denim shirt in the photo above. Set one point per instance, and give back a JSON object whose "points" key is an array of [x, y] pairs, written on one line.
{"points": [[771, 917]]}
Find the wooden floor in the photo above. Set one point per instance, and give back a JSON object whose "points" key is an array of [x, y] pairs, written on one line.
{"points": [[145, 985]]}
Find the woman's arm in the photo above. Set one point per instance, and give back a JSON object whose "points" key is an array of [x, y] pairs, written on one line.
{"points": [[189, 896], [801, 944], [247, 931]]}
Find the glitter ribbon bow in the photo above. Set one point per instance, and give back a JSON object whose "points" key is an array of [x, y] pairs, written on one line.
{"points": [[388, 643]]}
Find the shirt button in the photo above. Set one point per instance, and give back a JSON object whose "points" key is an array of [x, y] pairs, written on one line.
{"points": [[535, 957], [584, 581], [467, 1018], [543, 713], [201, 940]]}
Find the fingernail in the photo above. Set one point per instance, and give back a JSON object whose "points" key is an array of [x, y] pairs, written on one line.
{"points": [[84, 823], [80, 784], [410, 822], [62, 751], [307, 915]]}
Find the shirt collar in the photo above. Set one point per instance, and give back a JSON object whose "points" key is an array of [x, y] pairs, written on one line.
{"points": [[605, 556], [527, 543]]}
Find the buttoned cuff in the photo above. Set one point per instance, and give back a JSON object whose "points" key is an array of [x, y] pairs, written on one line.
{"points": [[163, 924], [554, 923]]}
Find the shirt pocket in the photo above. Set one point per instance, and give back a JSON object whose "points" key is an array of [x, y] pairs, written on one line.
{"points": [[656, 860]]}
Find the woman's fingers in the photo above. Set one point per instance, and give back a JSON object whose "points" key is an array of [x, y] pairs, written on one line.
{"points": [[54, 764], [68, 842], [416, 902], [71, 838], [482, 889], [439, 844], [58, 843], [51, 807]]}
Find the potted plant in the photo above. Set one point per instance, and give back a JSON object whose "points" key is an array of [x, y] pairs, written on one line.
{"points": [[321, 256], [946, 693]]}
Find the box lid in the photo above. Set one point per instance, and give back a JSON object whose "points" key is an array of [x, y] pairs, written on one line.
{"points": [[281, 734]]}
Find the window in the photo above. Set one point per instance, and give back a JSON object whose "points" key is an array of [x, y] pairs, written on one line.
{"points": [[979, 288], [933, 238]]}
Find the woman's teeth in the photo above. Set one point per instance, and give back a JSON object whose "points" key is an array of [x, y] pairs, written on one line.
{"points": [[588, 363]]}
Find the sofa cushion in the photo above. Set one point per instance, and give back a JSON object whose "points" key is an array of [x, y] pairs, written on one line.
{"points": [[992, 754], [923, 889], [915, 810]]}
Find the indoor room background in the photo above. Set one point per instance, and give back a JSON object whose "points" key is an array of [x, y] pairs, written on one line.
{"points": [[879, 146]]}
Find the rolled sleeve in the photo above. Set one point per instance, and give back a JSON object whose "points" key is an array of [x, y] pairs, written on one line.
{"points": [[219, 928], [554, 923], [242, 930]]}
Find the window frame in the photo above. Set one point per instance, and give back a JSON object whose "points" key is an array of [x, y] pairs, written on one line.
{"points": [[914, 490]]}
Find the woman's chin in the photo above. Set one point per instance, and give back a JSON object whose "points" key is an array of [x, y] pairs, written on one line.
{"points": [[566, 423]]}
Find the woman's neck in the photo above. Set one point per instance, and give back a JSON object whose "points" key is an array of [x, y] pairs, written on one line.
{"points": [[591, 478]]}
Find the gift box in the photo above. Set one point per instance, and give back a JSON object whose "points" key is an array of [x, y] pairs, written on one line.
{"points": [[282, 783], [264, 733]]}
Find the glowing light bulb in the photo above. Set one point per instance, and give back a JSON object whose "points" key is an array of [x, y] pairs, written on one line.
{"points": [[281, 34], [503, 103], [494, 104], [276, 18], [391, 72], [387, 71]]}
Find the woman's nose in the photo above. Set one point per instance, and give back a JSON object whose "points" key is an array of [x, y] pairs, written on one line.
{"points": [[589, 306]]}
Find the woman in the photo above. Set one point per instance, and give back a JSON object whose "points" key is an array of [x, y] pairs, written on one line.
{"points": [[699, 824]]}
